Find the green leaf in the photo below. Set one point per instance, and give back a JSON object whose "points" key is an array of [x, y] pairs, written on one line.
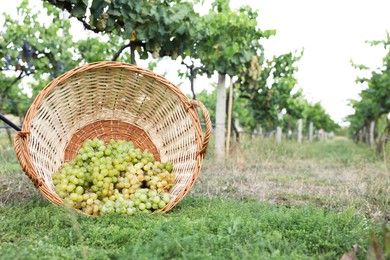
{"points": [[110, 23], [144, 55], [97, 7], [182, 28], [128, 29], [79, 10], [114, 12]]}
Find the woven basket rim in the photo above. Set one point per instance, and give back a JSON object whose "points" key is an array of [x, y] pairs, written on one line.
{"points": [[97, 65]]}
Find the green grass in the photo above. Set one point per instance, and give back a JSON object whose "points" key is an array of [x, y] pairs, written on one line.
{"points": [[344, 152], [9, 162], [199, 228], [289, 201]]}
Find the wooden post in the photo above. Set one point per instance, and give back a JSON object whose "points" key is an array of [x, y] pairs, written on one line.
{"points": [[278, 135], [311, 132], [279, 129], [321, 135], [299, 130], [220, 115], [371, 132], [229, 124], [260, 131]]}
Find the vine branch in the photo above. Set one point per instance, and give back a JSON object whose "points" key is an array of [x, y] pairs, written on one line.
{"points": [[131, 44], [121, 49]]}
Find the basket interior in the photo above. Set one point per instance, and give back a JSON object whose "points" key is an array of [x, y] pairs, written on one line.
{"points": [[110, 129], [113, 103]]}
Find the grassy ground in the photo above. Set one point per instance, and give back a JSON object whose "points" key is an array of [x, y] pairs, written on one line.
{"points": [[335, 174], [199, 228], [309, 201]]}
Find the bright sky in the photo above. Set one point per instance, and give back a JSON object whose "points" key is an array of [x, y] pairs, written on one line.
{"points": [[331, 32]]}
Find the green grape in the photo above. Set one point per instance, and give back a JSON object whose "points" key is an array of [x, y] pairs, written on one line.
{"points": [[71, 187], [114, 177], [156, 199], [142, 206], [68, 202], [130, 211], [166, 197], [143, 197], [63, 187], [73, 196], [75, 180], [161, 204], [100, 177], [62, 194], [79, 190]]}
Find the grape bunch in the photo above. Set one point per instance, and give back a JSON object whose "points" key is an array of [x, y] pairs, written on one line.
{"points": [[116, 177]]}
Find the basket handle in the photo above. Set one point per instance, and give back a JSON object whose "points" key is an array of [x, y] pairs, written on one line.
{"points": [[207, 120], [22, 152]]}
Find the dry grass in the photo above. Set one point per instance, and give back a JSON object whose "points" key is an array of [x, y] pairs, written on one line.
{"points": [[336, 174], [14, 184]]}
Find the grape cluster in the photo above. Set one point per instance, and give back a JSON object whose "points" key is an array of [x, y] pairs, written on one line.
{"points": [[255, 68], [114, 178]]}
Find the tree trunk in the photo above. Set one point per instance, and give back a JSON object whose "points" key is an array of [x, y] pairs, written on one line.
{"points": [[192, 82], [193, 73], [361, 135], [365, 131], [371, 132], [381, 146], [236, 132], [299, 130], [9, 136], [356, 136], [288, 130], [132, 54], [311, 128], [18, 114], [7, 88], [220, 115]]}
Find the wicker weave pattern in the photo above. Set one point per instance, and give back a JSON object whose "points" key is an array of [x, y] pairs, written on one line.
{"points": [[112, 100], [107, 130]]}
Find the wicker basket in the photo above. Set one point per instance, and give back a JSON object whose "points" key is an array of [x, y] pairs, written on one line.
{"points": [[112, 100]]}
